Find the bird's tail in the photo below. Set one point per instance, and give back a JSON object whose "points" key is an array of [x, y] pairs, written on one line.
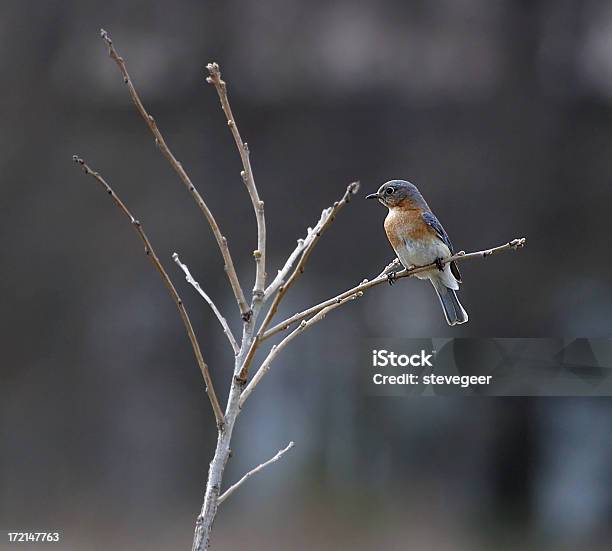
{"points": [[453, 311]]}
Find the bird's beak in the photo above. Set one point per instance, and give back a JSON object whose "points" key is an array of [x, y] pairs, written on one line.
{"points": [[372, 196]]}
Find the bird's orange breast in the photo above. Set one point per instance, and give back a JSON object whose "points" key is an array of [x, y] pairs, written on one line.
{"points": [[405, 224]]}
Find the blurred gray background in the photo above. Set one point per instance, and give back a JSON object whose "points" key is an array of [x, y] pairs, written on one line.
{"points": [[500, 111]]}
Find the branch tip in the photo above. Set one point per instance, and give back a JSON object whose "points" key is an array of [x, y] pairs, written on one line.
{"points": [[214, 73], [248, 475]]}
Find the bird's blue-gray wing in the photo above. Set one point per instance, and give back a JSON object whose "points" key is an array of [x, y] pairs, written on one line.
{"points": [[431, 220], [434, 223]]}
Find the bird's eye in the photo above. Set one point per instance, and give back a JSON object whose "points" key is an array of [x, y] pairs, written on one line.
{"points": [[389, 191]]}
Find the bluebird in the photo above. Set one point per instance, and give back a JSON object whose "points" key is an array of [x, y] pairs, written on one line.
{"points": [[418, 239]]}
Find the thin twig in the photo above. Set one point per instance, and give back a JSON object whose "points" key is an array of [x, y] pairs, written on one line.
{"points": [[215, 79], [324, 223], [514, 244], [234, 487], [305, 249], [150, 252], [284, 271], [327, 217], [178, 168], [209, 301]]}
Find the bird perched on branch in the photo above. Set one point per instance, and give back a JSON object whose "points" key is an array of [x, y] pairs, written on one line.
{"points": [[419, 239]]}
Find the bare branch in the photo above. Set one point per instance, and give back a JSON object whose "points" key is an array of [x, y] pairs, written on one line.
{"points": [[149, 251], [514, 244], [393, 266], [327, 217], [178, 168], [196, 286], [215, 79], [304, 248], [234, 487], [319, 311], [276, 349], [284, 271]]}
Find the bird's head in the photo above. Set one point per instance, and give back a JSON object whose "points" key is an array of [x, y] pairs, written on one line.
{"points": [[399, 193]]}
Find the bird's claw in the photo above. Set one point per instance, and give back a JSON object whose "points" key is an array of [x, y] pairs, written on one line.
{"points": [[391, 277], [439, 264]]}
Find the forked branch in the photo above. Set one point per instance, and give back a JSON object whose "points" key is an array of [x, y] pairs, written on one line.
{"points": [[303, 251], [178, 168], [150, 252], [235, 486]]}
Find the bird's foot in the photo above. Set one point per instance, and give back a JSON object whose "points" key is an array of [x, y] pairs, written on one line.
{"points": [[439, 264], [391, 277]]}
